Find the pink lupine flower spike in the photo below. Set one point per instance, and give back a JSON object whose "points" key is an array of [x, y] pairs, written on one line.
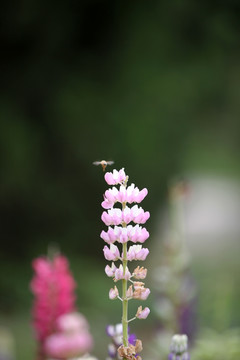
{"points": [[124, 227]]}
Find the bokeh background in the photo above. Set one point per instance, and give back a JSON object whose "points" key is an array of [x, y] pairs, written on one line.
{"points": [[152, 85]]}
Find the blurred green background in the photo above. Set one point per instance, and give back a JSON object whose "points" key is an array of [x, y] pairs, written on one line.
{"points": [[152, 85]]}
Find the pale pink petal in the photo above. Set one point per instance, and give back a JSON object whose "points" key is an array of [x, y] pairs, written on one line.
{"points": [[113, 293], [142, 314]]}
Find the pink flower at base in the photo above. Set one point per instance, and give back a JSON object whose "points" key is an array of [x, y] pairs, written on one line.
{"points": [[72, 323], [65, 346], [53, 287]]}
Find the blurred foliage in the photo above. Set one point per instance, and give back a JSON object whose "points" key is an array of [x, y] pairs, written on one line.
{"points": [[221, 346], [129, 82]]}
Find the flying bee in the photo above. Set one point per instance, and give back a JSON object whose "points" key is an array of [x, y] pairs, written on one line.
{"points": [[104, 163]]}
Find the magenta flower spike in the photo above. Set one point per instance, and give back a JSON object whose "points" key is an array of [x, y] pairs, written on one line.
{"points": [[61, 332], [124, 227], [53, 287]]}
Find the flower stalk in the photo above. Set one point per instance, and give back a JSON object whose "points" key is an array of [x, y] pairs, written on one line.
{"points": [[125, 300], [126, 222]]}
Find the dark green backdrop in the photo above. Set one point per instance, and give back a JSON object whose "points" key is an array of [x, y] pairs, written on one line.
{"points": [[143, 83]]}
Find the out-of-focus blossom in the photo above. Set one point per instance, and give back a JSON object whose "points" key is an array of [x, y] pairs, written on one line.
{"points": [[61, 332], [178, 348], [65, 346], [71, 338], [53, 287], [72, 323]]}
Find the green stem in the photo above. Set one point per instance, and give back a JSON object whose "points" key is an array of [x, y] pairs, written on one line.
{"points": [[124, 297], [124, 292]]}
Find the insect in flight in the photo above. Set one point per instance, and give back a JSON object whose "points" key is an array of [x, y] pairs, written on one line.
{"points": [[104, 163]]}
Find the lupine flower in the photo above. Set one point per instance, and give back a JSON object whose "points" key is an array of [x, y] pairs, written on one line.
{"points": [[178, 348], [126, 228]]}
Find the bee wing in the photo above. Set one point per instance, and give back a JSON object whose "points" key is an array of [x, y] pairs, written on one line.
{"points": [[110, 162], [96, 162]]}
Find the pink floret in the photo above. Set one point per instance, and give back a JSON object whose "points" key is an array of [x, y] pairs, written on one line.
{"points": [[116, 177]]}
